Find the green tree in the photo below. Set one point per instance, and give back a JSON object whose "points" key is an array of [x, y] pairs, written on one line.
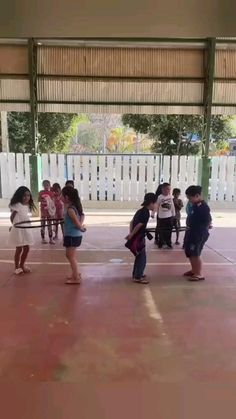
{"points": [[172, 134], [55, 130]]}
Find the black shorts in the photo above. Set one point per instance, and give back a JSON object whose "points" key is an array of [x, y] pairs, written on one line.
{"points": [[70, 241], [193, 248]]}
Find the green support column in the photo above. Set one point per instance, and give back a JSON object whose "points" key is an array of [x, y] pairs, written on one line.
{"points": [[208, 93], [35, 162]]}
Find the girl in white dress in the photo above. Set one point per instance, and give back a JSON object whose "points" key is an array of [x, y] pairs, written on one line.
{"points": [[21, 204]]}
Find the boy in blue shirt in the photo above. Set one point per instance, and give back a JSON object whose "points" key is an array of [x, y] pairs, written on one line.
{"points": [[198, 224]]}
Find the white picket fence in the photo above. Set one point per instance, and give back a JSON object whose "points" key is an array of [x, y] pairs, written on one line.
{"points": [[119, 177]]}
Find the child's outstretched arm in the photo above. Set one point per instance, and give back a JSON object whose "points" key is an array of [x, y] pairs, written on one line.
{"points": [[75, 220]]}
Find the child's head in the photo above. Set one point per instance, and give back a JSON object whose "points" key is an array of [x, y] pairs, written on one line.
{"points": [[176, 193], [149, 201], [56, 189], [194, 194], [166, 189], [46, 185], [70, 197], [23, 196], [70, 183]]}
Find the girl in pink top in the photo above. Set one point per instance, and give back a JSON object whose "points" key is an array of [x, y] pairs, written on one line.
{"points": [[47, 210]]}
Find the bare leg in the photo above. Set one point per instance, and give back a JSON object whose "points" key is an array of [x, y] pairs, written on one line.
{"points": [[23, 258], [71, 256], [43, 223], [17, 257], [196, 264]]}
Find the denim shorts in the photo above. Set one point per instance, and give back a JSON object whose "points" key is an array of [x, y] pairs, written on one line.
{"points": [[70, 241], [193, 248]]}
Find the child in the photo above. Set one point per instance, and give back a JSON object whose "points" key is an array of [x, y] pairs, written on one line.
{"points": [[59, 205], [138, 227], [188, 210], [165, 213], [199, 221], [158, 193], [47, 209], [178, 203], [73, 229], [70, 183], [21, 204]]}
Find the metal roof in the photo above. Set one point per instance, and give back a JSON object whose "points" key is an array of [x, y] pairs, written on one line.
{"points": [[117, 75]]}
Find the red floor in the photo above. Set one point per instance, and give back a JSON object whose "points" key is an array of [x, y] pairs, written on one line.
{"points": [[151, 345]]}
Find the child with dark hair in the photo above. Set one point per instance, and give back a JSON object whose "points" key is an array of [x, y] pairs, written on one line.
{"points": [[165, 213], [47, 210], [178, 203], [59, 206], [70, 182], [158, 193], [73, 230], [198, 224], [21, 204], [136, 237]]}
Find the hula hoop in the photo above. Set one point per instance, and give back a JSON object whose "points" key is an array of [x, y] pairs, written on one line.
{"points": [[153, 229], [45, 221]]}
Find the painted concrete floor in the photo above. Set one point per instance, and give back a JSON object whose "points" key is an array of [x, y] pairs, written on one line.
{"points": [[111, 348]]}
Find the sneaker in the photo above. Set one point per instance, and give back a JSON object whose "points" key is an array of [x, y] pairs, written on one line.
{"points": [[141, 281], [52, 241], [18, 271], [44, 241]]}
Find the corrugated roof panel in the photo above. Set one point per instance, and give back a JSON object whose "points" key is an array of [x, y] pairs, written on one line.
{"points": [[224, 110], [14, 107], [13, 59], [14, 89], [120, 91], [224, 92], [121, 62], [120, 109], [225, 65]]}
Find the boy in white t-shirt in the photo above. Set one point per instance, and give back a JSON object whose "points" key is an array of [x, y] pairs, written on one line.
{"points": [[165, 213]]}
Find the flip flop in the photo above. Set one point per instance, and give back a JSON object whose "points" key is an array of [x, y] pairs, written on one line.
{"points": [[72, 282], [196, 278]]}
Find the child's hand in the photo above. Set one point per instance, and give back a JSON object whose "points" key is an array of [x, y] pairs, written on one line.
{"points": [[128, 237], [83, 229]]}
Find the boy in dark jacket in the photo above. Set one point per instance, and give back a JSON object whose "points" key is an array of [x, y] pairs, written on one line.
{"points": [[199, 222]]}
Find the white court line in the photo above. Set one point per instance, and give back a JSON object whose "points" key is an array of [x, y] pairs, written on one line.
{"points": [[121, 264], [154, 313], [98, 249]]}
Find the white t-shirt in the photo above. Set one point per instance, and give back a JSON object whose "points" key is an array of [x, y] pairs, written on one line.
{"points": [[165, 206]]}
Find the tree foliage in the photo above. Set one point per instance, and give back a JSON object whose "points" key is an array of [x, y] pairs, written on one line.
{"points": [[54, 131], [173, 134]]}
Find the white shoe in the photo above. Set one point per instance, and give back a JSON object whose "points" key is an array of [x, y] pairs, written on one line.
{"points": [[52, 241], [18, 271]]}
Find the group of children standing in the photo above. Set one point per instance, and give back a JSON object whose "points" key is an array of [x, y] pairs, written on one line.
{"points": [[59, 205], [168, 210], [65, 206]]}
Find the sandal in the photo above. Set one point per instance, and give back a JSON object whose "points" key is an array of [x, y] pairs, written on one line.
{"points": [[72, 281], [26, 270], [196, 278]]}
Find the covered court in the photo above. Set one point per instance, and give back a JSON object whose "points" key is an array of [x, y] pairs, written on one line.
{"points": [[110, 330]]}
